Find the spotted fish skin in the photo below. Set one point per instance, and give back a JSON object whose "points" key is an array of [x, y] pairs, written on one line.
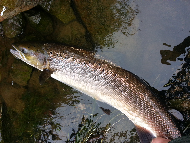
{"points": [[103, 81]]}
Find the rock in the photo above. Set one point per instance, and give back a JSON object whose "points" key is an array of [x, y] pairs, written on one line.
{"points": [[20, 73], [98, 18], [13, 26], [40, 20], [72, 34], [12, 97], [10, 8], [60, 8]]}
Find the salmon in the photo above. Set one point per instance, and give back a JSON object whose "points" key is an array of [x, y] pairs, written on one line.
{"points": [[105, 82]]}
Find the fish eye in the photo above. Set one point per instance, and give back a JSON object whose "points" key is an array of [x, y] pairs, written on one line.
{"points": [[23, 50]]}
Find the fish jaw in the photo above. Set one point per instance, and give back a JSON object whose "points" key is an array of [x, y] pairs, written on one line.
{"points": [[17, 54]]}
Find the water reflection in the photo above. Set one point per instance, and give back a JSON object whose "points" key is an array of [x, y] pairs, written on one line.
{"points": [[86, 121], [177, 51]]}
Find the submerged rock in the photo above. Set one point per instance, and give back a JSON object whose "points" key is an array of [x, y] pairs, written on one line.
{"points": [[20, 73], [72, 34], [40, 20], [59, 8], [13, 26], [12, 97]]}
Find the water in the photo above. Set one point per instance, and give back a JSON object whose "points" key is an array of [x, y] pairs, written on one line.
{"points": [[156, 23]]}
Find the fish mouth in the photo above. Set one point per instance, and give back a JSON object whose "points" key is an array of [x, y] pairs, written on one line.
{"points": [[17, 53]]}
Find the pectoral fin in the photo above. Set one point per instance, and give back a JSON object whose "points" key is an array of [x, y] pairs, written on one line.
{"points": [[145, 136], [104, 107], [45, 74], [107, 111]]}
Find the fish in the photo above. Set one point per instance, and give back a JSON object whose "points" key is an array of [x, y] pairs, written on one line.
{"points": [[103, 81]]}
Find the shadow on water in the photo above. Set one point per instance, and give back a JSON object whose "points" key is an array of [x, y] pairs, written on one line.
{"points": [[53, 111], [177, 51], [177, 96]]}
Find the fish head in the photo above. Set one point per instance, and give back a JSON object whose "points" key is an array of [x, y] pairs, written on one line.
{"points": [[31, 54]]}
